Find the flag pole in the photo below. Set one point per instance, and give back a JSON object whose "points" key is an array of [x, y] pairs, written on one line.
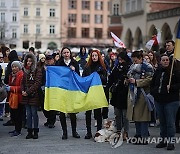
{"points": [[170, 77]]}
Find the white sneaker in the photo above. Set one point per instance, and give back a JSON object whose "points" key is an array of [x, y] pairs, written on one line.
{"points": [[95, 123]]}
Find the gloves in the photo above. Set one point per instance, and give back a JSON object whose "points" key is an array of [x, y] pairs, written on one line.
{"points": [[7, 88]]}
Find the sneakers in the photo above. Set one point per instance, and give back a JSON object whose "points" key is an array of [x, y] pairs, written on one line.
{"points": [[15, 134]]}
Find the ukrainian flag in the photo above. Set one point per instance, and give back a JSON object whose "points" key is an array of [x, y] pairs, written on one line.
{"points": [[68, 92], [177, 44]]}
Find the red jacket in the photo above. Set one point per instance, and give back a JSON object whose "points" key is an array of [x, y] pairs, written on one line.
{"points": [[15, 85]]}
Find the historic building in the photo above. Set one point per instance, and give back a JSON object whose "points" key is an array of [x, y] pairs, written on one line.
{"points": [[85, 23], [140, 18], [9, 22], [40, 24]]}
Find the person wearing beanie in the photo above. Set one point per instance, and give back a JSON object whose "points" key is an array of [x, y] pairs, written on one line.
{"points": [[15, 97], [17, 64], [42, 56]]}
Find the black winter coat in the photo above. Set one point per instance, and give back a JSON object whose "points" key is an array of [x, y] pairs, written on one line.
{"points": [[72, 63], [96, 67], [119, 97], [159, 84]]}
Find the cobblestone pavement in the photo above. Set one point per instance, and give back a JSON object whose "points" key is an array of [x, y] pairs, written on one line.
{"points": [[50, 141]]}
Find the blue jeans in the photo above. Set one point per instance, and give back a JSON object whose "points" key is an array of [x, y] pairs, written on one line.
{"points": [[167, 117], [32, 115], [142, 128]]}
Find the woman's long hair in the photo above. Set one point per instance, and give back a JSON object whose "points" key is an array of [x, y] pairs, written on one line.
{"points": [[154, 60], [100, 60]]}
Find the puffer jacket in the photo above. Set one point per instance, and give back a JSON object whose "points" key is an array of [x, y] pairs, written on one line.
{"points": [[31, 81]]}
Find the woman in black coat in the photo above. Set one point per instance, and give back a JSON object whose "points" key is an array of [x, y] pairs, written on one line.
{"points": [[95, 64], [67, 60], [120, 92]]}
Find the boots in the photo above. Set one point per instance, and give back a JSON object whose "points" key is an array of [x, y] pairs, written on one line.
{"points": [[36, 131], [29, 135], [63, 125], [88, 126], [73, 125]]}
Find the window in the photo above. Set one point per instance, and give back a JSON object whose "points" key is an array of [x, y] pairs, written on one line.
{"points": [[128, 7], [25, 28], [85, 5], [72, 4], [98, 33], [14, 17], [2, 34], [14, 3], [139, 4], [2, 17], [72, 18], [85, 32], [38, 29], [2, 3], [38, 13], [52, 12], [51, 29], [71, 32], [25, 11], [85, 18], [37, 45], [98, 19], [14, 33], [133, 5], [25, 44], [98, 5], [116, 9]]}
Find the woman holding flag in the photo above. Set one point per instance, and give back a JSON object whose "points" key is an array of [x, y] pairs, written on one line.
{"points": [[166, 96], [67, 61], [95, 64]]}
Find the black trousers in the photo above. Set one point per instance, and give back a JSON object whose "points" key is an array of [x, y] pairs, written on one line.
{"points": [[50, 115], [63, 122], [17, 115], [98, 115], [104, 110]]}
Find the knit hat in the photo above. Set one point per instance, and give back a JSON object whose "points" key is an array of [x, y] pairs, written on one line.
{"points": [[17, 63], [41, 56]]}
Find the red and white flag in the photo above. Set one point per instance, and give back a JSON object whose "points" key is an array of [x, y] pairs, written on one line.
{"points": [[117, 42]]}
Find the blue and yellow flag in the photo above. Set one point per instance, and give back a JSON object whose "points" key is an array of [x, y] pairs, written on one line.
{"points": [[177, 44], [68, 92]]}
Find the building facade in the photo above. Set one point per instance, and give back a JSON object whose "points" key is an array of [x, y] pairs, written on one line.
{"points": [[85, 23], [141, 18], [115, 24], [40, 24], [9, 23]]}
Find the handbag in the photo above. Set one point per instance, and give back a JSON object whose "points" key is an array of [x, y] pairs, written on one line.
{"points": [[13, 100]]}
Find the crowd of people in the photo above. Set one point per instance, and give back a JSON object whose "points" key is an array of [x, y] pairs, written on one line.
{"points": [[127, 78]]}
